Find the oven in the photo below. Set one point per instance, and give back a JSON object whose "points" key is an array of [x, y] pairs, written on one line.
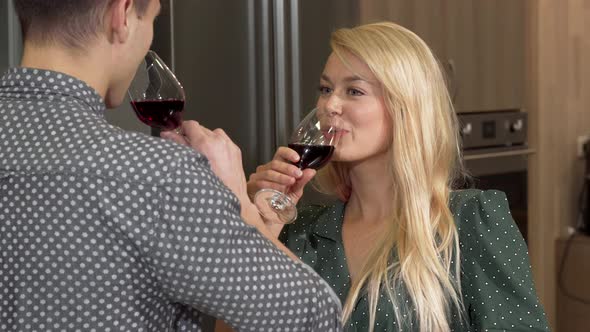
{"points": [[495, 154]]}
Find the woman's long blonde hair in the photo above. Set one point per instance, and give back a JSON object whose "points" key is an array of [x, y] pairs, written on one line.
{"points": [[418, 254]]}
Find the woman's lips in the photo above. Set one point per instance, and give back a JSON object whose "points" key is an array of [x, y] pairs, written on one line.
{"points": [[334, 133]]}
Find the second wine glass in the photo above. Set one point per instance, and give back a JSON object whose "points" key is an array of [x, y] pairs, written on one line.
{"points": [[314, 139]]}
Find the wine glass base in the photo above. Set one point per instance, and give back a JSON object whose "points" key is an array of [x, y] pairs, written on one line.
{"points": [[275, 206]]}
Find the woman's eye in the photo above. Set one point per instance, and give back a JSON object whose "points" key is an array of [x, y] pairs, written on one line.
{"points": [[324, 90], [355, 92]]}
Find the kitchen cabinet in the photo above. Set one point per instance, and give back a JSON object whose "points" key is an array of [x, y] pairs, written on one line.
{"points": [[480, 45]]}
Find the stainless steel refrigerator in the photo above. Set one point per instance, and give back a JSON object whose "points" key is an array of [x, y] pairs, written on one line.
{"points": [[250, 67], [10, 38]]}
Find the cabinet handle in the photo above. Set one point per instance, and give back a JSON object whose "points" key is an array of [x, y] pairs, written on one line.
{"points": [[452, 80]]}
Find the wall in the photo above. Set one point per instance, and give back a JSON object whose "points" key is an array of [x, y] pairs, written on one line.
{"points": [[558, 99]]}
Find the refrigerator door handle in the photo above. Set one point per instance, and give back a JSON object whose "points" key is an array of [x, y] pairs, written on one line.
{"points": [[14, 37], [172, 37], [295, 64], [262, 87], [280, 66], [287, 68]]}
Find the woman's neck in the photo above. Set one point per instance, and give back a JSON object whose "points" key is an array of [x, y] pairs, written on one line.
{"points": [[372, 192]]}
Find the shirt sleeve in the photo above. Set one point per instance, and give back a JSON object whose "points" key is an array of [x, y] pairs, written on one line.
{"points": [[205, 256], [497, 284]]}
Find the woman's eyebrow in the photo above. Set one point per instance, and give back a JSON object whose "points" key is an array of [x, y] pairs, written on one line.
{"points": [[346, 79]]}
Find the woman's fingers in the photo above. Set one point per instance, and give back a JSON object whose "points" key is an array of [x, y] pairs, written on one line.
{"points": [[254, 185], [279, 174], [286, 154], [283, 167], [278, 177], [297, 189]]}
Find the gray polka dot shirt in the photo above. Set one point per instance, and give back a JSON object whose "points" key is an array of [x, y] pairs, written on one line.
{"points": [[107, 230]]}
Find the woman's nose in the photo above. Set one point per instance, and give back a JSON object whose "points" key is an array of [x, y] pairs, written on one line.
{"points": [[334, 105]]}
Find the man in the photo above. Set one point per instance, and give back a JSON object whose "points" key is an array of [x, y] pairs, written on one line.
{"points": [[105, 230]]}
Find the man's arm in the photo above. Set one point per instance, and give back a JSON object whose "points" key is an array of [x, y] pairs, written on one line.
{"points": [[225, 159], [222, 264], [211, 260]]}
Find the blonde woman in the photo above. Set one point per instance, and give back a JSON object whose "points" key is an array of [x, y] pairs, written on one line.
{"points": [[403, 250]]}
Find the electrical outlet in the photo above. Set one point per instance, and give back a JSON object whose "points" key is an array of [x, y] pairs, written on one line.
{"points": [[581, 141]]}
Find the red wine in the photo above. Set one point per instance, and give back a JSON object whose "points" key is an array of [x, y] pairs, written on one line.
{"points": [[312, 156], [163, 114]]}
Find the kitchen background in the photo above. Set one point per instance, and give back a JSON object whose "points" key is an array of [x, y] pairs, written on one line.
{"points": [[251, 67]]}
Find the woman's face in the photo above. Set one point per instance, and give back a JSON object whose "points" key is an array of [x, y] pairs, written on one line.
{"points": [[353, 93]]}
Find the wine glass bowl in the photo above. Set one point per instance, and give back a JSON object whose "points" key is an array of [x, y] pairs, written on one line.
{"points": [[157, 97], [314, 139]]}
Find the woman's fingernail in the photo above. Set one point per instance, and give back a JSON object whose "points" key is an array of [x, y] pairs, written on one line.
{"points": [[298, 173]]}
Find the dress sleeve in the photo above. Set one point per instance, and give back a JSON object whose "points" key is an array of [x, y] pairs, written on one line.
{"points": [[496, 281], [203, 255]]}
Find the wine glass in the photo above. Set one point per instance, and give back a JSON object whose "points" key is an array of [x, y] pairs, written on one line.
{"points": [[314, 139], [156, 95]]}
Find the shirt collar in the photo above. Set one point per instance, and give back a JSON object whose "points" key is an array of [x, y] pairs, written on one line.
{"points": [[52, 85], [329, 222]]}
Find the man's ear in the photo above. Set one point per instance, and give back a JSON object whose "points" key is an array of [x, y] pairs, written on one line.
{"points": [[117, 20]]}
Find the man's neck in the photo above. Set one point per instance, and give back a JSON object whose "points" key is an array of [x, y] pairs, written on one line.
{"points": [[90, 66]]}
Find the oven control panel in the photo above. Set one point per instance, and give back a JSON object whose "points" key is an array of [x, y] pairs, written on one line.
{"points": [[493, 129]]}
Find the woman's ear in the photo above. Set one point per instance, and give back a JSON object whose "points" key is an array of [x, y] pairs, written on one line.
{"points": [[118, 17]]}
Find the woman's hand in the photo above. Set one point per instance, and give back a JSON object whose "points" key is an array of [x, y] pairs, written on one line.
{"points": [[280, 174]]}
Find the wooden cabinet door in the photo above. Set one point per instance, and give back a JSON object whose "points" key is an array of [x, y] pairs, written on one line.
{"points": [[480, 44], [423, 17], [485, 45]]}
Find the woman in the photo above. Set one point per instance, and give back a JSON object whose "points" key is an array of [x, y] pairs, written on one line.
{"points": [[390, 245]]}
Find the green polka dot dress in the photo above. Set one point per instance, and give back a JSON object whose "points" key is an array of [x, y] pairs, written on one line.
{"points": [[496, 280]]}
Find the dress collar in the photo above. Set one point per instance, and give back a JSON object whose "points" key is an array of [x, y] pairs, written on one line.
{"points": [[329, 222]]}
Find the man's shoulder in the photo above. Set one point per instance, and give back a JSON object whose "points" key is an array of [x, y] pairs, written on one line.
{"points": [[136, 156], [68, 136]]}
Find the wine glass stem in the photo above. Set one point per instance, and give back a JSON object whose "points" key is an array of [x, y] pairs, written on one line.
{"points": [[276, 203]]}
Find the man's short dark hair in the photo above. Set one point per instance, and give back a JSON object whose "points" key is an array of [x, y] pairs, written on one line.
{"points": [[72, 23]]}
